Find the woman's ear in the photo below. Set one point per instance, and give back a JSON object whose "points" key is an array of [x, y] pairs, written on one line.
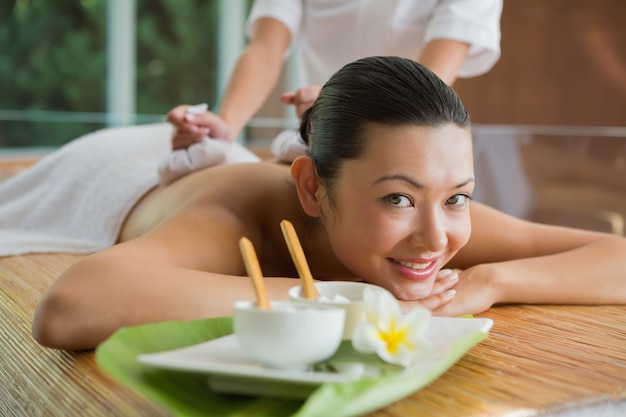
{"points": [[307, 185]]}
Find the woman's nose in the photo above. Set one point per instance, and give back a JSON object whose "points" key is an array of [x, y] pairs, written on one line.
{"points": [[430, 231]]}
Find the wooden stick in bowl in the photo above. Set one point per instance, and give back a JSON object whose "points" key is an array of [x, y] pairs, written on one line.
{"points": [[253, 269], [310, 292]]}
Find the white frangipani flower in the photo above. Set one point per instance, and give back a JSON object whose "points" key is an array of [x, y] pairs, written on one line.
{"points": [[394, 337]]}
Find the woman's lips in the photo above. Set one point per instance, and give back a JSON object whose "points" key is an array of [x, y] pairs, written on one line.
{"points": [[415, 270]]}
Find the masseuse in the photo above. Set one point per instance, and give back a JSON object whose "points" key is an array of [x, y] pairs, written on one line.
{"points": [[389, 203], [453, 38]]}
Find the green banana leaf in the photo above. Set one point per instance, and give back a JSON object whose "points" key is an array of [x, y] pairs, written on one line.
{"points": [[188, 393]]}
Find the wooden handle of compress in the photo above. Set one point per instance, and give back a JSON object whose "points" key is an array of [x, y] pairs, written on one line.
{"points": [[297, 255], [253, 269]]}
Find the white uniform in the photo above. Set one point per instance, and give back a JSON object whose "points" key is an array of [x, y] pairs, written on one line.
{"points": [[327, 34]]}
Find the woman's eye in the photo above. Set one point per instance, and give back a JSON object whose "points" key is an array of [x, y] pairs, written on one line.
{"points": [[399, 200], [459, 200]]}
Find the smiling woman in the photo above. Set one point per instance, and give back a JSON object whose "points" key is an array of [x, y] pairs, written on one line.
{"points": [[387, 139], [416, 191]]}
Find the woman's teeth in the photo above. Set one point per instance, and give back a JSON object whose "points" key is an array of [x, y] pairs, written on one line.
{"points": [[413, 265]]}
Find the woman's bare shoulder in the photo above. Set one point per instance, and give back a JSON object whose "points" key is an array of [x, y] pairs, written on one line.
{"points": [[199, 219]]}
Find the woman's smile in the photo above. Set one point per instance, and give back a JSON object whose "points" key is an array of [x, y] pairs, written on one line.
{"points": [[417, 271], [411, 192]]}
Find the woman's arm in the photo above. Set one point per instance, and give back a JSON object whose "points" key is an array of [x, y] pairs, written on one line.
{"points": [[161, 276], [513, 261], [107, 291]]}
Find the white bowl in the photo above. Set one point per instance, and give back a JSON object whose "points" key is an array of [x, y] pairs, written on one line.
{"points": [[345, 294], [291, 335]]}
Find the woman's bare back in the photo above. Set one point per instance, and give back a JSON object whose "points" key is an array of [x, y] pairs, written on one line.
{"points": [[251, 199], [240, 187]]}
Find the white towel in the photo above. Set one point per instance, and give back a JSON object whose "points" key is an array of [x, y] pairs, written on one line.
{"points": [[288, 145], [206, 153], [76, 198]]}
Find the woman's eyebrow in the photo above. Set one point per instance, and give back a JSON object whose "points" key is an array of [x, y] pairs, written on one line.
{"points": [[464, 183], [398, 177], [415, 184]]}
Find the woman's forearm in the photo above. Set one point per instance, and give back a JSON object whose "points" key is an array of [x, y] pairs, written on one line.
{"points": [[592, 274], [101, 294]]}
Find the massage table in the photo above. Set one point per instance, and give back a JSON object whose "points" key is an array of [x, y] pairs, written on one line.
{"points": [[537, 360]]}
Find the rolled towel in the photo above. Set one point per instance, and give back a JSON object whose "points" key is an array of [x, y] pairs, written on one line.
{"points": [[181, 162], [288, 145], [206, 153]]}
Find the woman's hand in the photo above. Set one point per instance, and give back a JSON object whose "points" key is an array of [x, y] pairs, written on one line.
{"points": [[302, 98], [191, 128], [443, 291], [457, 292], [475, 292]]}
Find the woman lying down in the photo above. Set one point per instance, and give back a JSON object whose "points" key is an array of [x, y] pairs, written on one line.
{"points": [[383, 195]]}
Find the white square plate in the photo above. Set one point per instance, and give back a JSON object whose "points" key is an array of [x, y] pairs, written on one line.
{"points": [[229, 369]]}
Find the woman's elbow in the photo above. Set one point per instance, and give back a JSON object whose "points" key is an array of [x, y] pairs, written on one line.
{"points": [[70, 315], [58, 325]]}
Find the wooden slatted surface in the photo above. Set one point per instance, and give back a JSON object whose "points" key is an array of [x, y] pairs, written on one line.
{"points": [[537, 359], [44, 382]]}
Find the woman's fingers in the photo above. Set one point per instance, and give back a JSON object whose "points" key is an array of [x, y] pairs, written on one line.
{"points": [[446, 279], [473, 295], [442, 294], [433, 302]]}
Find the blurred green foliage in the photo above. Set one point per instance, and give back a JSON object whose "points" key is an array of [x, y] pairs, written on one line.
{"points": [[54, 59]]}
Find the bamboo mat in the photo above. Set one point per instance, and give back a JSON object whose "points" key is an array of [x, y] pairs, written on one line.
{"points": [[536, 360], [44, 382]]}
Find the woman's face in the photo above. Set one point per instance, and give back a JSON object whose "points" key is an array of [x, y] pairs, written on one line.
{"points": [[401, 211]]}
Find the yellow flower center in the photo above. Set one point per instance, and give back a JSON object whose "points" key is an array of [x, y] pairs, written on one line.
{"points": [[394, 337]]}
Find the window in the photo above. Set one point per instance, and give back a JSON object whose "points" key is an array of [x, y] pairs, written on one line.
{"points": [[70, 67]]}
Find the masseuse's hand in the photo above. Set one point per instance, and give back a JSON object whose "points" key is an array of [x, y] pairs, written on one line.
{"points": [[442, 294], [302, 98], [191, 128]]}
